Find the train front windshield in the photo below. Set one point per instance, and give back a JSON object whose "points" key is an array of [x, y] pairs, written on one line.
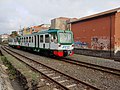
{"points": [[65, 37]]}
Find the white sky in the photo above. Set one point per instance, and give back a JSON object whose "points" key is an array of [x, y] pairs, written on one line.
{"points": [[25, 13]]}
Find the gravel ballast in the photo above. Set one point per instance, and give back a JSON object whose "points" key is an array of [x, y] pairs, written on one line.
{"points": [[97, 61], [102, 80], [30, 75]]}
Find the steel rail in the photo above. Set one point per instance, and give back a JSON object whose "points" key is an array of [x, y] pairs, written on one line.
{"points": [[91, 86], [93, 66]]}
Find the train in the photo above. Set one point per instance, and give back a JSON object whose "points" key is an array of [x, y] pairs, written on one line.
{"points": [[53, 42]]}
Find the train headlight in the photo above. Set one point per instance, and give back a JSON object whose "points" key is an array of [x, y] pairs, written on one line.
{"points": [[59, 45], [72, 45]]}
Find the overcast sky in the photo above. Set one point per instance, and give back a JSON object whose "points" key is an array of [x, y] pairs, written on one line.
{"points": [[25, 13]]}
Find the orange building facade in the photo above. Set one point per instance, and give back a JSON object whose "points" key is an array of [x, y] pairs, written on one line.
{"points": [[30, 30]]}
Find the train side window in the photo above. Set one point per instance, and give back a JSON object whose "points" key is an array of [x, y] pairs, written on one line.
{"points": [[15, 40], [41, 38], [29, 39], [54, 38], [46, 38], [32, 39], [24, 39], [21, 39]]}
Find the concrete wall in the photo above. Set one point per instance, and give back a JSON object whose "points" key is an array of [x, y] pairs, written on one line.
{"points": [[98, 53]]}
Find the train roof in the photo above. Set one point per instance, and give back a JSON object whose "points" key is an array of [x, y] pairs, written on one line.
{"points": [[47, 31]]}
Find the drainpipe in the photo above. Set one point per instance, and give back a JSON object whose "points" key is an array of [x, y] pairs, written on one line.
{"points": [[110, 36]]}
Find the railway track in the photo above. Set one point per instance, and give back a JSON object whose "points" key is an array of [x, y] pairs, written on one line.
{"points": [[63, 81], [90, 65], [93, 66]]}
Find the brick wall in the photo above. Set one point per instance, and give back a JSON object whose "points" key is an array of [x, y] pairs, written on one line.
{"points": [[95, 32], [117, 32]]}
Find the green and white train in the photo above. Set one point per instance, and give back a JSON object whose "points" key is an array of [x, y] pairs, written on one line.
{"points": [[53, 42]]}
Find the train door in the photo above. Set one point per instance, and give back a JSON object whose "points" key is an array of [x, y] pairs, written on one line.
{"points": [[53, 41], [47, 41], [38, 41], [35, 40], [41, 41]]}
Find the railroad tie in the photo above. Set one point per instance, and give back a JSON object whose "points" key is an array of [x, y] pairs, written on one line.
{"points": [[50, 74], [42, 69], [63, 81], [55, 77], [72, 85], [47, 72]]}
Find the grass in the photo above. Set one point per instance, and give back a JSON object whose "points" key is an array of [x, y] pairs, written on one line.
{"points": [[11, 62]]}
